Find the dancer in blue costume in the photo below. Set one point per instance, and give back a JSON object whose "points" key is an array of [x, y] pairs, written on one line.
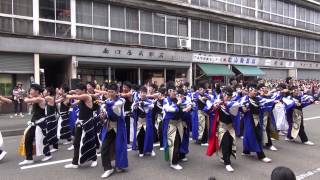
{"points": [[223, 138], [266, 116], [252, 140], [173, 129], [143, 126], [114, 134], [295, 115], [200, 117], [186, 106]]}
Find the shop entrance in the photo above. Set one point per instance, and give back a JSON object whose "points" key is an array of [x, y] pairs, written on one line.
{"points": [[54, 70], [129, 74]]}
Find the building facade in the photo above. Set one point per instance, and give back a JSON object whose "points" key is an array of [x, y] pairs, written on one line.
{"points": [[54, 41]]}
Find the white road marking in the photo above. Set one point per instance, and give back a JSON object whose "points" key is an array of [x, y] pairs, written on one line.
{"points": [[307, 119], [61, 161], [308, 174], [45, 164]]}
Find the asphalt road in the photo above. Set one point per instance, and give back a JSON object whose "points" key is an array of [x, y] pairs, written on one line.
{"points": [[302, 159]]}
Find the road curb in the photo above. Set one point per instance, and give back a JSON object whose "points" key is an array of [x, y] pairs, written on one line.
{"points": [[16, 132]]}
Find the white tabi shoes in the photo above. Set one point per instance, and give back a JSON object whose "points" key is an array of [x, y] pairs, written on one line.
{"points": [[176, 167], [71, 148], [46, 158], [272, 148], [153, 154], [54, 150], [26, 162], [309, 143], [107, 174], [71, 166], [266, 160], [94, 164], [229, 168]]}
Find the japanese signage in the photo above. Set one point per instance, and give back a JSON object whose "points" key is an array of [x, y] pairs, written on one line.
{"points": [[209, 58], [148, 54], [252, 61], [307, 65], [278, 63]]}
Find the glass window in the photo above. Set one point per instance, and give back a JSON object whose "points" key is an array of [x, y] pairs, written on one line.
{"points": [[146, 40], [286, 42], [273, 40], [46, 9], [195, 28], [5, 24], [245, 36], [22, 7], [204, 46], [159, 41], [273, 5], [132, 19], [302, 13], [204, 3], [266, 6], [118, 37], [307, 49], [230, 34], [222, 32], [172, 25], [218, 5], [6, 6], [291, 10], [214, 47], [23, 26], [307, 15], [195, 2], [291, 42], [302, 44], [63, 10], [63, 30], [84, 11], [280, 41], [84, 33], [285, 9], [252, 37], [312, 13], [146, 21], [214, 31], [266, 39], [204, 29], [312, 46], [183, 26], [159, 23], [100, 35], [260, 38], [172, 42], [195, 45], [237, 35], [46, 29], [279, 7], [132, 38], [117, 17], [100, 13]]}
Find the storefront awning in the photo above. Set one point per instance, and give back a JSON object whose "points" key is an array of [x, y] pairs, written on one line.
{"points": [[215, 70], [249, 70]]}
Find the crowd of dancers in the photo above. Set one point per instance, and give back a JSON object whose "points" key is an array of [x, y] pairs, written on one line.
{"points": [[109, 119]]}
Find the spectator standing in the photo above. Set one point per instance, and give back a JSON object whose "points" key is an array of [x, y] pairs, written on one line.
{"points": [[17, 94]]}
